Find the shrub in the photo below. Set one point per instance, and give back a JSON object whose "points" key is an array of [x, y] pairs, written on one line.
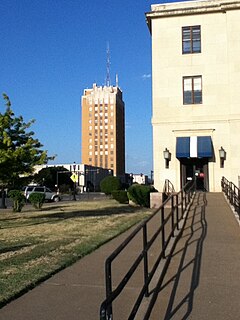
{"points": [[18, 200], [109, 184], [120, 196], [37, 199], [140, 194]]}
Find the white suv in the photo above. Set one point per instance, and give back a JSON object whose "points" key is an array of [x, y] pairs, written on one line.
{"points": [[49, 195]]}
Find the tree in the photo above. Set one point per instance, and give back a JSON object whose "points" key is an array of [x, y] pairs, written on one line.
{"points": [[19, 150], [52, 176]]}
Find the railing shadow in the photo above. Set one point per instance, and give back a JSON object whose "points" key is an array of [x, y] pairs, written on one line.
{"points": [[165, 232], [195, 229]]}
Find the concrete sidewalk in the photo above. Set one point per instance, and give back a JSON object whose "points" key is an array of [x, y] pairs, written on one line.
{"points": [[202, 281]]}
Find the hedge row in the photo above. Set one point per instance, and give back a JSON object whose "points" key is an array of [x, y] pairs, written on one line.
{"points": [[137, 193]]}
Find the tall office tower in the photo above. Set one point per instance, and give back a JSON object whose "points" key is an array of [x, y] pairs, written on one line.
{"points": [[103, 129]]}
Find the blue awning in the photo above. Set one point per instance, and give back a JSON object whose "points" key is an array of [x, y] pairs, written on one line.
{"points": [[183, 147], [191, 147], [204, 147]]}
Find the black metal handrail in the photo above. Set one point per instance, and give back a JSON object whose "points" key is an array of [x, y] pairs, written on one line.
{"points": [[232, 193], [178, 204], [168, 187]]}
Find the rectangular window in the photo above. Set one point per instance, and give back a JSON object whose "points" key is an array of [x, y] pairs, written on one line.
{"points": [[192, 90], [191, 39]]}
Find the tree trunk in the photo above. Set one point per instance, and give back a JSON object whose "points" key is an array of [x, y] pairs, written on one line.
{"points": [[3, 199]]}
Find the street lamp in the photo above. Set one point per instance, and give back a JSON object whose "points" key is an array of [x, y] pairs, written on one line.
{"points": [[151, 176], [131, 179]]}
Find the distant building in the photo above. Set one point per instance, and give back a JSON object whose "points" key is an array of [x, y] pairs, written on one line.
{"points": [[103, 128], [196, 96], [139, 178], [88, 177]]}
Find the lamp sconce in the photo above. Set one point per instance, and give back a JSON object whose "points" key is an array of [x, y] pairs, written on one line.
{"points": [[222, 156], [167, 157]]}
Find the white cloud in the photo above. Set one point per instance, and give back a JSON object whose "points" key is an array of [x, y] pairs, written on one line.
{"points": [[146, 76]]}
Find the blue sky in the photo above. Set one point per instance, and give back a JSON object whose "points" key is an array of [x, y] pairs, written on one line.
{"points": [[51, 50]]}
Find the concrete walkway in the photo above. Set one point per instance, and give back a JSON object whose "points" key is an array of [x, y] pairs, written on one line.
{"points": [[202, 281]]}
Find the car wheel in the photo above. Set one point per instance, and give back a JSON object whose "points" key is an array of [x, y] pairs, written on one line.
{"points": [[56, 199]]}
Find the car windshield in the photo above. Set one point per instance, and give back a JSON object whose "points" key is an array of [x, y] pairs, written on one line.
{"points": [[29, 188], [39, 189]]}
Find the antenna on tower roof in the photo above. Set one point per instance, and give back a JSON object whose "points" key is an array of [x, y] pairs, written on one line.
{"points": [[108, 66]]}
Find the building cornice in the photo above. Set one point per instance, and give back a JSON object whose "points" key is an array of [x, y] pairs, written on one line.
{"points": [[199, 132], [190, 8]]}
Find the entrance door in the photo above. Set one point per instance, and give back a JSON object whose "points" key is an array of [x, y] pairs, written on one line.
{"points": [[195, 168]]}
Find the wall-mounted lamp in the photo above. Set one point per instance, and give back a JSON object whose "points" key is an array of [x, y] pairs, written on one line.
{"points": [[222, 156], [167, 157]]}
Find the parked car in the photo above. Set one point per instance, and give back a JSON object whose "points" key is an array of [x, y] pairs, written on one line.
{"points": [[49, 194]]}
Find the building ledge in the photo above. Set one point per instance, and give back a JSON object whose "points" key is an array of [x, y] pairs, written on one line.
{"points": [[190, 8]]}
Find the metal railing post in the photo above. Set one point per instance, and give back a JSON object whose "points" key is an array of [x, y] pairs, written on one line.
{"points": [[228, 191], [231, 193], [234, 197], [181, 203], [172, 218], [103, 315], [185, 200], [163, 232], [177, 213], [108, 271], [239, 202], [145, 259]]}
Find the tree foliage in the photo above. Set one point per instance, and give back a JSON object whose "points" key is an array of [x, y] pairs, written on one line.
{"points": [[19, 150], [37, 199], [18, 200], [140, 194], [51, 176], [109, 184], [120, 195]]}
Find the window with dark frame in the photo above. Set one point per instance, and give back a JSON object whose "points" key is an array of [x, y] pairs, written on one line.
{"points": [[192, 90], [191, 39]]}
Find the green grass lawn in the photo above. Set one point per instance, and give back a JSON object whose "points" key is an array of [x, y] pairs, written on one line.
{"points": [[36, 244]]}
